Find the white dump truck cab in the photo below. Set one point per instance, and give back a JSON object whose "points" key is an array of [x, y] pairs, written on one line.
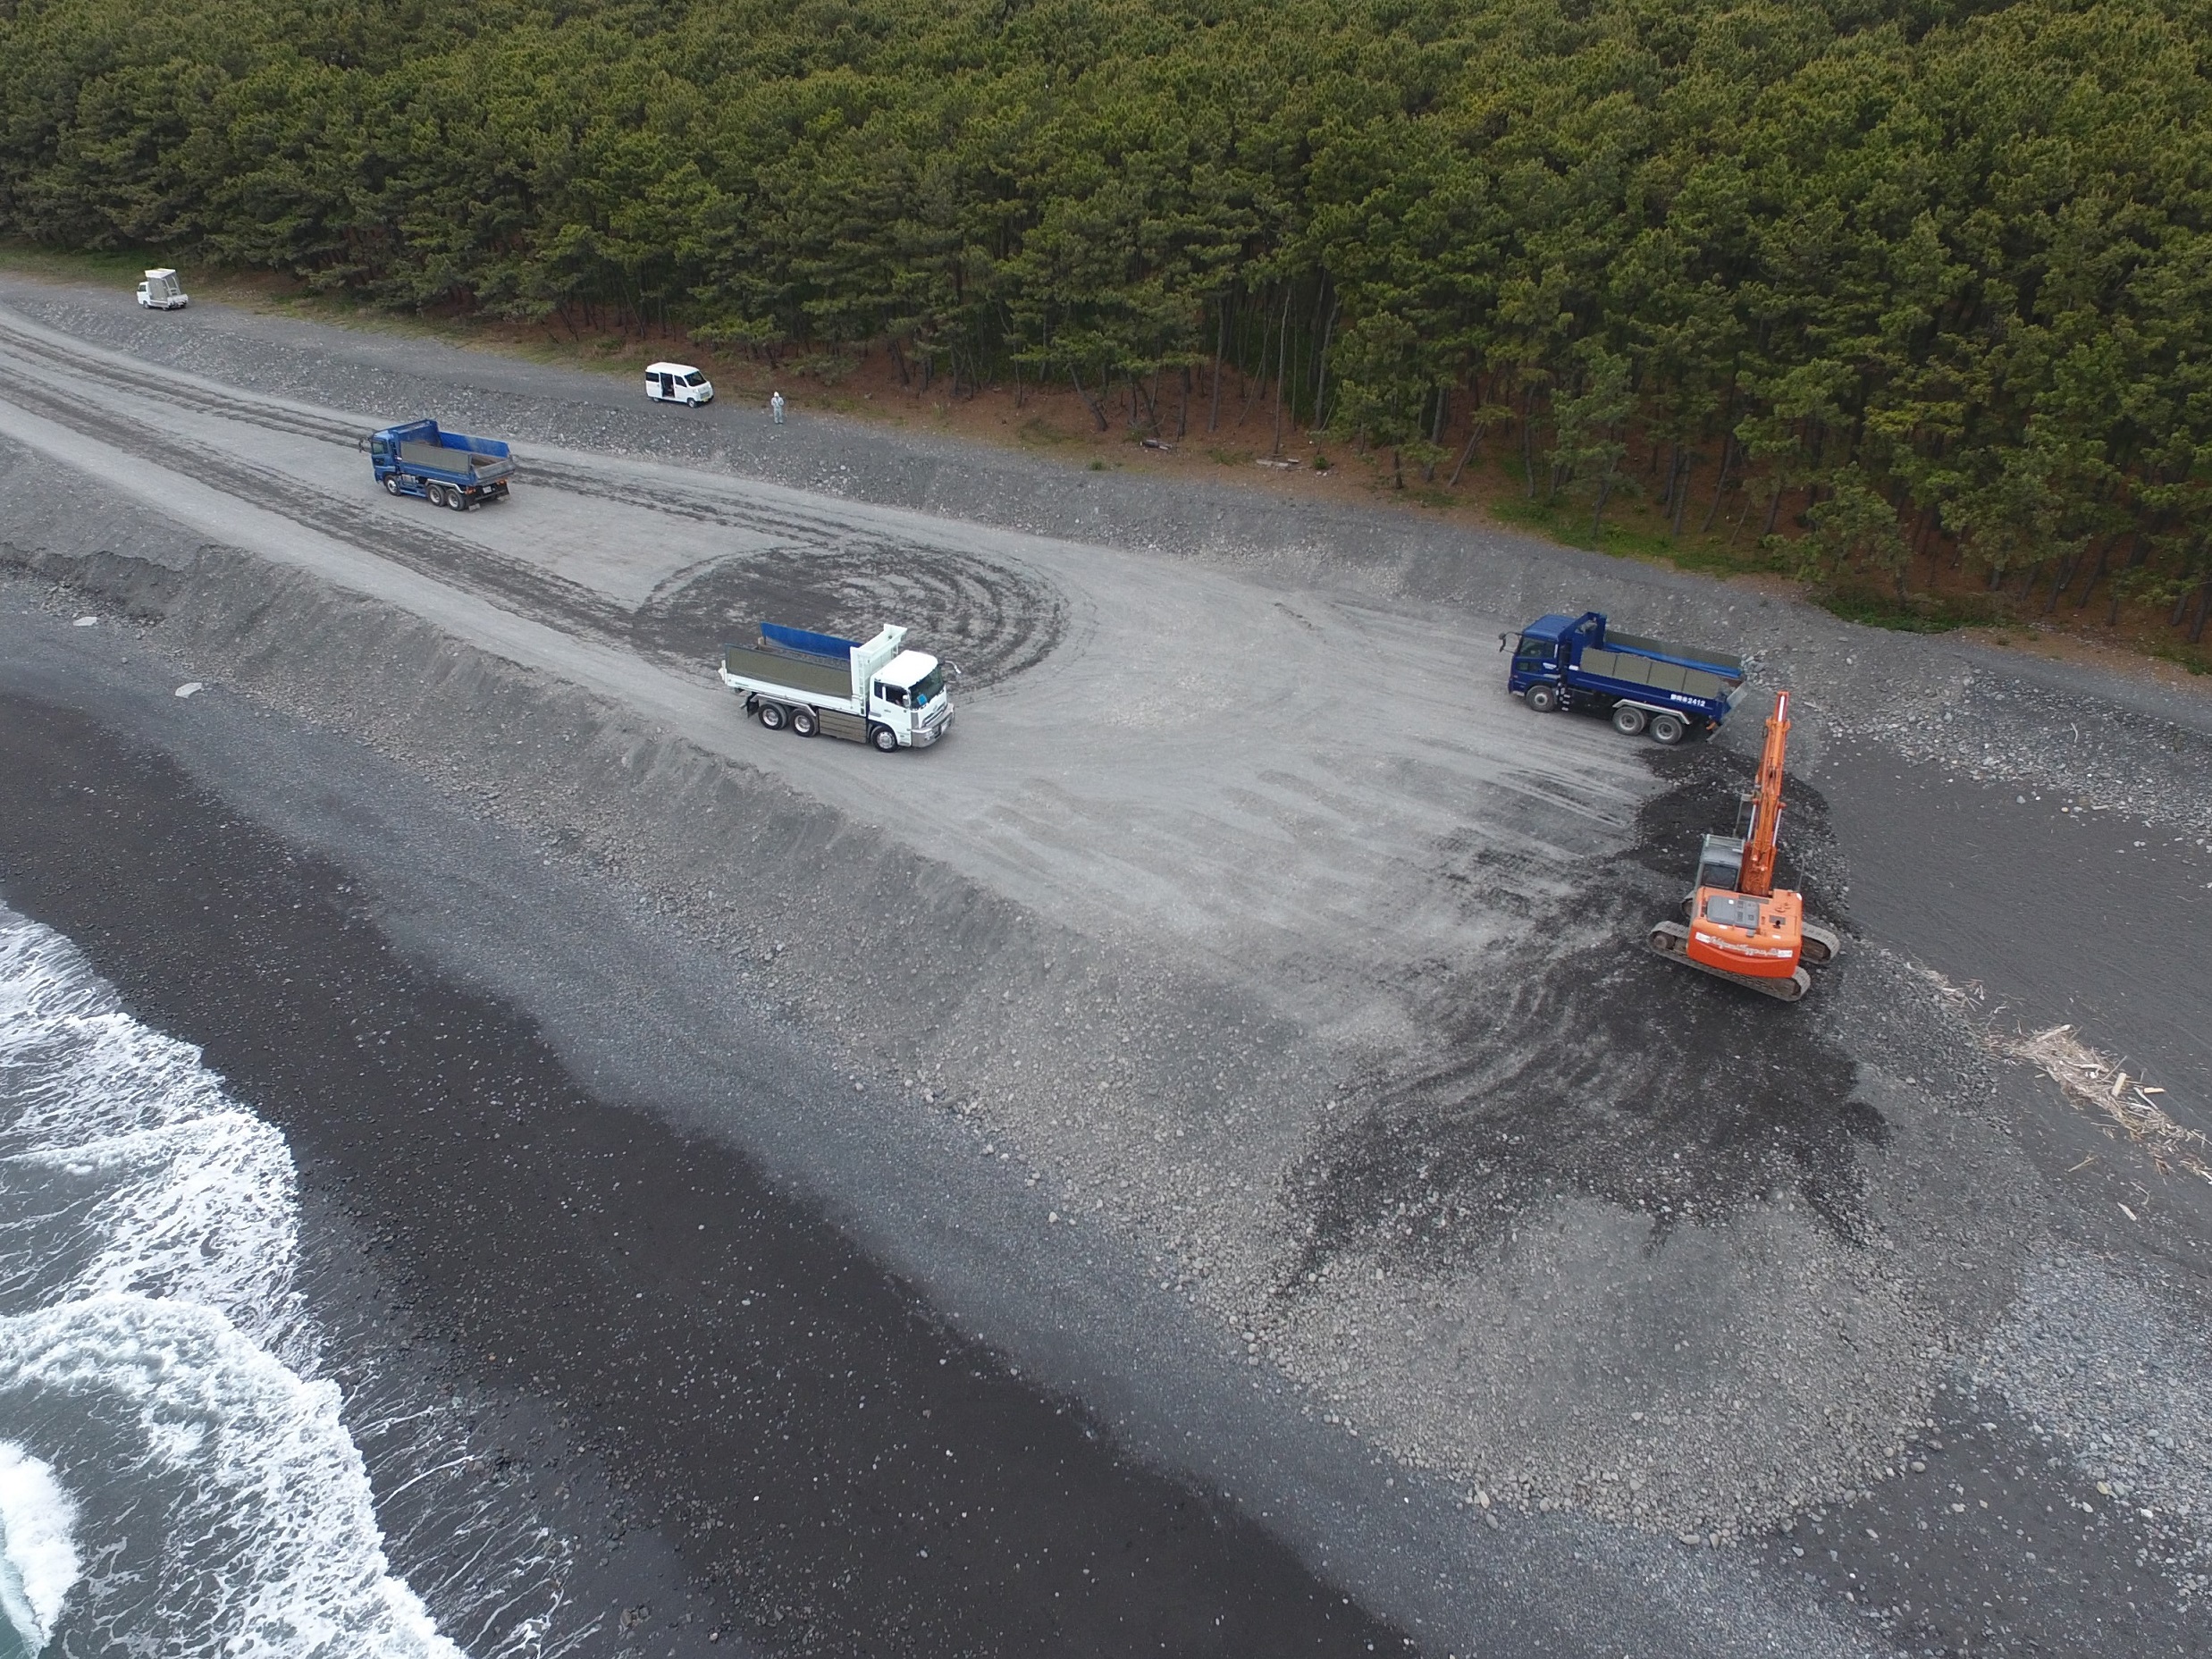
{"points": [[677, 383], [161, 291], [908, 696]]}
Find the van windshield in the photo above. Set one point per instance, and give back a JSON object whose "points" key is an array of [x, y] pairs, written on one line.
{"points": [[929, 686], [693, 379]]}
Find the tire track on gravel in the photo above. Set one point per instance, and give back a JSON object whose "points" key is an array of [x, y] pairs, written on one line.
{"points": [[1000, 621], [448, 559]]}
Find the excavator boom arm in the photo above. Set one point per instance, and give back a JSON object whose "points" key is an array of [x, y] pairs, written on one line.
{"points": [[1766, 811]]}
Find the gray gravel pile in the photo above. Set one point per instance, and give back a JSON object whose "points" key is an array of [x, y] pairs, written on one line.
{"points": [[2104, 757], [1705, 1381], [2120, 1373], [1708, 1389], [1121, 1095]]}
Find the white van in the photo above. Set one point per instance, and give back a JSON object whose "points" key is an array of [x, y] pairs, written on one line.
{"points": [[677, 383], [161, 291]]}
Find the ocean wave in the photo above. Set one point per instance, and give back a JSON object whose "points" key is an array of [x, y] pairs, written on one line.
{"points": [[157, 1357], [262, 1538], [38, 1565]]}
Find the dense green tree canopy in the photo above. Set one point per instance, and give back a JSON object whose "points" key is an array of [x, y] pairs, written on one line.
{"points": [[1944, 269]]}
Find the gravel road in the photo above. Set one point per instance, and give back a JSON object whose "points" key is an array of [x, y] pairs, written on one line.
{"points": [[1263, 943]]}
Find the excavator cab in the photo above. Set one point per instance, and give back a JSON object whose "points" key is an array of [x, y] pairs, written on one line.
{"points": [[1721, 861]]}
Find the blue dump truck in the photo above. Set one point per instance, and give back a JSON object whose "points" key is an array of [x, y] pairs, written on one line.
{"points": [[1644, 684], [446, 468]]}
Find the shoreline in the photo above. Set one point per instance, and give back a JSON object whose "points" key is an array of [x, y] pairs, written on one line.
{"points": [[517, 1242]]}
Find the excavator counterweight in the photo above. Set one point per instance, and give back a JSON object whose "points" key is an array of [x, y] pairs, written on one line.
{"points": [[1736, 926]]}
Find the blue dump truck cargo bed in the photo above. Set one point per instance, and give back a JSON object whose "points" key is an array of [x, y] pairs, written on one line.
{"points": [[1646, 685], [448, 468]]}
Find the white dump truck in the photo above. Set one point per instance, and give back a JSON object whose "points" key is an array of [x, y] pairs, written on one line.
{"points": [[161, 291], [877, 692]]}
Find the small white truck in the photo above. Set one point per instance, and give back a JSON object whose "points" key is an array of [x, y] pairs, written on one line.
{"points": [[161, 291], [877, 692]]}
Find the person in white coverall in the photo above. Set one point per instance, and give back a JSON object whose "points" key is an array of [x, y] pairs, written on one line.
{"points": [[776, 407]]}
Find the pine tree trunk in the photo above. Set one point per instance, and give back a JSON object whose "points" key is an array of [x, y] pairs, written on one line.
{"points": [[1719, 483], [1221, 340], [2064, 581], [1528, 441], [1473, 437], [2096, 574], [2136, 555], [1321, 365], [1097, 409], [1282, 359]]}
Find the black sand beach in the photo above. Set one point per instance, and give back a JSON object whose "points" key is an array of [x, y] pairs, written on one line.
{"points": [[834, 1465]]}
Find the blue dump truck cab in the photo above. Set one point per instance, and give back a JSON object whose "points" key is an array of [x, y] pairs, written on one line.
{"points": [[1644, 684], [444, 467]]}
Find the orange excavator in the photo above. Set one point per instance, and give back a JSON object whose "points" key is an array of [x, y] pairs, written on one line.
{"points": [[1737, 927]]}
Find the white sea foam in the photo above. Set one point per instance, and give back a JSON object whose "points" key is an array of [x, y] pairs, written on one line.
{"points": [[38, 1564], [153, 1345], [201, 1212], [269, 1543], [75, 1067]]}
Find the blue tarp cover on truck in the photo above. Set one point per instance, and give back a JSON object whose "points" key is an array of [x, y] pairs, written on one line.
{"points": [[813, 645]]}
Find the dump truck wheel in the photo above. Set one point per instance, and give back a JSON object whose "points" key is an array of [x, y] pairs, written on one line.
{"points": [[391, 484], [1629, 720], [457, 500], [1543, 699], [803, 722], [1666, 729], [772, 716], [885, 740]]}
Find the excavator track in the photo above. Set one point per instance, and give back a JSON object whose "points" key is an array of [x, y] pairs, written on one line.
{"points": [[1671, 940], [1822, 943]]}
